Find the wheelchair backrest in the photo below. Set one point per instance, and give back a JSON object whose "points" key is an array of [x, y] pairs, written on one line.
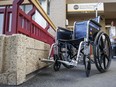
{"points": [[63, 33], [86, 29]]}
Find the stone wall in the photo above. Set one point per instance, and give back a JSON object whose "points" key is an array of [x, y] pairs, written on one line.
{"points": [[19, 56]]}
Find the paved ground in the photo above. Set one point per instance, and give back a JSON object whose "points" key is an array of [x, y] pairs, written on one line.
{"points": [[72, 78]]}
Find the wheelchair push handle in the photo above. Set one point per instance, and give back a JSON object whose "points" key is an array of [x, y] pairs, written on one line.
{"points": [[96, 23]]}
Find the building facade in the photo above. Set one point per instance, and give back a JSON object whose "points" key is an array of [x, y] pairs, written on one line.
{"points": [[59, 13]]}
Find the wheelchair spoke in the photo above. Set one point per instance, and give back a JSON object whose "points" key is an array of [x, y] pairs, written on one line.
{"points": [[104, 62], [102, 42], [97, 56], [101, 48], [105, 41], [106, 56], [101, 59]]}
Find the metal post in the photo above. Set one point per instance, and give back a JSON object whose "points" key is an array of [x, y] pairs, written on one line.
{"points": [[96, 11]]}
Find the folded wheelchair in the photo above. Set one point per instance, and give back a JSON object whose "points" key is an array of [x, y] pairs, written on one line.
{"points": [[85, 45]]}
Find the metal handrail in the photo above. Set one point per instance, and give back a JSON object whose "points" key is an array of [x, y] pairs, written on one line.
{"points": [[37, 5]]}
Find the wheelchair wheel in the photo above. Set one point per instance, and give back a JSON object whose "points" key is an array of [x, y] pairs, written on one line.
{"points": [[102, 52], [57, 64], [87, 64]]}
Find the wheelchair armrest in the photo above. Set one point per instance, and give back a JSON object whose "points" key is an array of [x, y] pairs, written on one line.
{"points": [[96, 23]]}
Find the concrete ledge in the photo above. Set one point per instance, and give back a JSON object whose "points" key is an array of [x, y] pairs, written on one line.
{"points": [[19, 56], [1, 51]]}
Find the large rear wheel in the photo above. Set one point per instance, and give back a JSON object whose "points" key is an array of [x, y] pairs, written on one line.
{"points": [[102, 52]]}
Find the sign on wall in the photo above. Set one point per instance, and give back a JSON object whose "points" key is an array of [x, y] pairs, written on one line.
{"points": [[85, 7]]}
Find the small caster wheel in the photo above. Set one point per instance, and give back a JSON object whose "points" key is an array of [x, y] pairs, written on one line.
{"points": [[88, 68], [87, 64], [56, 66]]}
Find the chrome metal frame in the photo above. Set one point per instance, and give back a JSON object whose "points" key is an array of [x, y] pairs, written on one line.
{"points": [[83, 44]]}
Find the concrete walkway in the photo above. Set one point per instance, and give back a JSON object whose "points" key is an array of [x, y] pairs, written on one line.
{"points": [[72, 78]]}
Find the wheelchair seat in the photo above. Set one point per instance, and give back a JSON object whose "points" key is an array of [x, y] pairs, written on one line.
{"points": [[65, 36]]}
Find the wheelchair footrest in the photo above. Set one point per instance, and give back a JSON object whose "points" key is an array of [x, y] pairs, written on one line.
{"points": [[68, 63], [47, 60]]}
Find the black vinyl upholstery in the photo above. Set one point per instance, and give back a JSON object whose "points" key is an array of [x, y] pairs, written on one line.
{"points": [[64, 34]]}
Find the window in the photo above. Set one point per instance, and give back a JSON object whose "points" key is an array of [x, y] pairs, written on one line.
{"points": [[45, 5], [1, 22]]}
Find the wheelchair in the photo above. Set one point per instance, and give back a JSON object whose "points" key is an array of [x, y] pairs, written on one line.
{"points": [[76, 47]]}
